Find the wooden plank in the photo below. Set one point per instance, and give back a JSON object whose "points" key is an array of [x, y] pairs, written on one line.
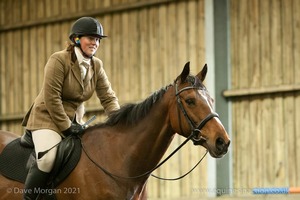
{"points": [[153, 43], [287, 42], [3, 70], [40, 9], [16, 12], [200, 36], [33, 62], [296, 60], [56, 17], [243, 21], [32, 11], [279, 139], [276, 39], [48, 10], [65, 28], [289, 112], [134, 64], [244, 176], [8, 13], [25, 49], [10, 100], [71, 6], [278, 173], [26, 87], [104, 50], [56, 43], [127, 29], [288, 101], [181, 35], [296, 40], [41, 58], [243, 106], [56, 8], [234, 44], [245, 92], [234, 84], [2, 14], [144, 51], [255, 120], [89, 4], [24, 11], [163, 45], [234, 143], [254, 50], [175, 68], [265, 62], [48, 31], [116, 46], [18, 72]]}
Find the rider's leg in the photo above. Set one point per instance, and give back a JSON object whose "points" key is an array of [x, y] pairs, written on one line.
{"points": [[43, 140], [38, 173]]}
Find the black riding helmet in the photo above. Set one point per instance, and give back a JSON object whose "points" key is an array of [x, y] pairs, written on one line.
{"points": [[86, 26]]}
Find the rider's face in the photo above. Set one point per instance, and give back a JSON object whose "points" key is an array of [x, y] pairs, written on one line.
{"points": [[89, 44]]}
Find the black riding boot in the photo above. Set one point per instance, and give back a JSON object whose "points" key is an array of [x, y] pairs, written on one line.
{"points": [[35, 182]]}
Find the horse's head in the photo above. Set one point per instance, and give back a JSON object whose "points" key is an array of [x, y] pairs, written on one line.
{"points": [[194, 113]]}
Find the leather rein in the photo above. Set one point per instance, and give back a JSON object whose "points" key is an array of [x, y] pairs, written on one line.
{"points": [[196, 130]]}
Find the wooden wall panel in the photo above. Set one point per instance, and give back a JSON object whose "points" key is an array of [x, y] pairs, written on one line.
{"points": [[265, 54], [149, 42], [296, 60]]}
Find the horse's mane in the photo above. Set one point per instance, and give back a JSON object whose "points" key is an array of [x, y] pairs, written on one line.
{"points": [[131, 113]]}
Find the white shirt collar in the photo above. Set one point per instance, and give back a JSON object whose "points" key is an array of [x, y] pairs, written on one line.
{"points": [[80, 57]]}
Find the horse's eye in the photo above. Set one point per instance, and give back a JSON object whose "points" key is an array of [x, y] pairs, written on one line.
{"points": [[190, 102]]}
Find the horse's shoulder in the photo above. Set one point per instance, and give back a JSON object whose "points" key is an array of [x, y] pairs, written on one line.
{"points": [[6, 137]]}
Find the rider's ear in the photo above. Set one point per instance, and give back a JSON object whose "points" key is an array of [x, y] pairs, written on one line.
{"points": [[201, 75], [185, 72]]}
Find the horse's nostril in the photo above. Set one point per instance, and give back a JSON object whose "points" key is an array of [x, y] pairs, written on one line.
{"points": [[220, 144]]}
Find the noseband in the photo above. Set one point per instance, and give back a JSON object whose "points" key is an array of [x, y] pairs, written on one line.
{"points": [[196, 130]]}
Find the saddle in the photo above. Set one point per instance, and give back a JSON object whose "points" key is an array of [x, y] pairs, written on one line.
{"points": [[18, 155]]}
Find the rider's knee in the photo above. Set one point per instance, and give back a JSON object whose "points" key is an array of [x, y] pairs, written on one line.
{"points": [[46, 163]]}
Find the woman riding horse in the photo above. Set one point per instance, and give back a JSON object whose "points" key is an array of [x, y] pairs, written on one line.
{"points": [[70, 78], [140, 134]]}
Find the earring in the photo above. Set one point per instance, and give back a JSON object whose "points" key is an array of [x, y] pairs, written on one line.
{"points": [[77, 41]]}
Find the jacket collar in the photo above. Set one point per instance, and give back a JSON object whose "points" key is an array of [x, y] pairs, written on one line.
{"points": [[76, 70]]}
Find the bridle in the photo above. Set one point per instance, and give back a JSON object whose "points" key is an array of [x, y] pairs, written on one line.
{"points": [[193, 136], [196, 130]]}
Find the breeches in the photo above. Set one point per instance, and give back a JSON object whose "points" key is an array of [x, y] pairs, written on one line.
{"points": [[43, 140]]}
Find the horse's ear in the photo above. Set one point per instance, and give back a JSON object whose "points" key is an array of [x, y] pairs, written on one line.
{"points": [[201, 75], [185, 72]]}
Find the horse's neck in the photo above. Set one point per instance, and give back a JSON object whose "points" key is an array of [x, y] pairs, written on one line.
{"points": [[132, 150], [148, 140]]}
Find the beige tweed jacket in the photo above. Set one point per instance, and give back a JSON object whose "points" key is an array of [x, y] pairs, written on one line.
{"points": [[63, 91]]}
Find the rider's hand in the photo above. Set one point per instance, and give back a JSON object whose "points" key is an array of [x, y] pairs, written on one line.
{"points": [[74, 129]]}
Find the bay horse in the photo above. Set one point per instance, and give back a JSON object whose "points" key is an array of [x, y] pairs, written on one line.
{"points": [[134, 139]]}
